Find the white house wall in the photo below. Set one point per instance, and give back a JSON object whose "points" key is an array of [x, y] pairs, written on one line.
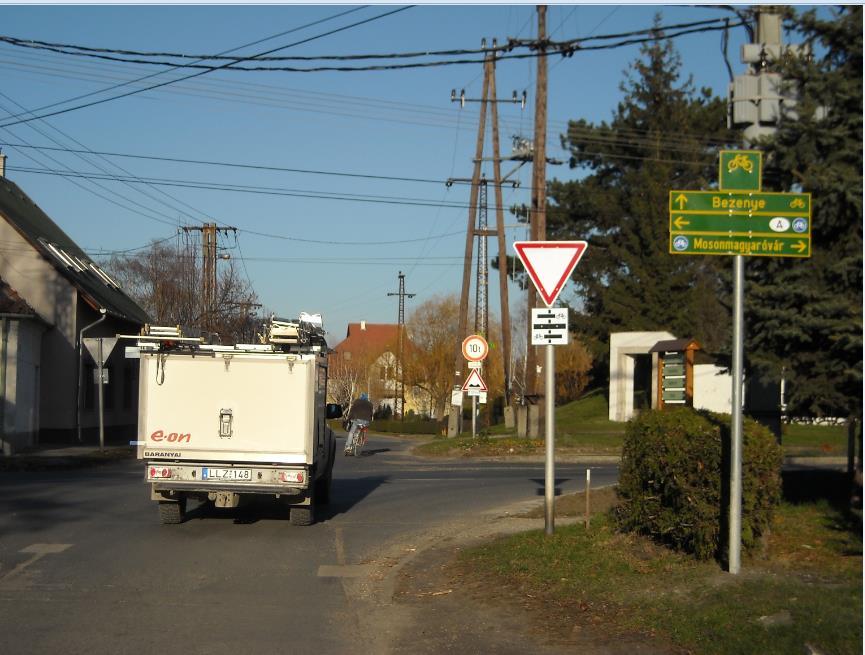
{"points": [[54, 299], [713, 388], [623, 346]]}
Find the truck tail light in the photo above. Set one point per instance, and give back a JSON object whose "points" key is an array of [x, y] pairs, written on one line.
{"points": [[160, 472], [291, 476]]}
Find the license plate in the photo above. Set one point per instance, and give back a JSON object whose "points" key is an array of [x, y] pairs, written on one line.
{"points": [[208, 473]]}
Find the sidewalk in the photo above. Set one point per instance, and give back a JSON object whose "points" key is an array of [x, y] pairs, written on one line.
{"points": [[55, 457]]}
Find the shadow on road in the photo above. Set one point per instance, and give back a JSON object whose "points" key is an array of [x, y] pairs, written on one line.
{"points": [[557, 490], [345, 494], [374, 451]]}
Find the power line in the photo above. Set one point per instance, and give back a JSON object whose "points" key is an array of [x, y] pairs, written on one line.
{"points": [[653, 33], [156, 74], [338, 105], [204, 72], [564, 48], [80, 155]]}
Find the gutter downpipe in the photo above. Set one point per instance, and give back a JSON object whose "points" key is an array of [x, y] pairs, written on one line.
{"points": [[104, 313]]}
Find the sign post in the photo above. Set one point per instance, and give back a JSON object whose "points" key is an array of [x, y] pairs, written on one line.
{"points": [[100, 348], [739, 219], [475, 350], [549, 265]]}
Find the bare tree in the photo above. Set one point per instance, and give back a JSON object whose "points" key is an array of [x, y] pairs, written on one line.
{"points": [[165, 280], [428, 366], [573, 363]]}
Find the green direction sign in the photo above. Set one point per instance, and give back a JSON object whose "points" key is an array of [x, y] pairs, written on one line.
{"points": [[741, 203], [751, 226], [741, 170], [740, 223], [686, 243]]}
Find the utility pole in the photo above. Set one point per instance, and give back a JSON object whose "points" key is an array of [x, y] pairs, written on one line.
{"points": [[482, 302], [500, 233], [537, 215], [399, 400], [209, 232], [478, 187]]}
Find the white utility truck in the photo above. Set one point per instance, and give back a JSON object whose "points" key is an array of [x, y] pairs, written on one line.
{"points": [[218, 422]]}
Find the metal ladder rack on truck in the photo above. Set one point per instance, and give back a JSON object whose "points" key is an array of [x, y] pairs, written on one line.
{"points": [[217, 423]]}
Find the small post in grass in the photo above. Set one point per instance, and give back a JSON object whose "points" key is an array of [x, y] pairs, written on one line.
{"points": [[588, 496]]}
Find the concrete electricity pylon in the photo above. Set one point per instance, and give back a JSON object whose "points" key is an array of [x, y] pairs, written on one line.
{"points": [[479, 188], [399, 399]]}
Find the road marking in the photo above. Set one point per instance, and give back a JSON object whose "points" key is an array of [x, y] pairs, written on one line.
{"points": [[340, 546], [38, 551]]}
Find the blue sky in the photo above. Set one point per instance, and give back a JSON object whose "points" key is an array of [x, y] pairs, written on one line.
{"points": [[334, 256]]}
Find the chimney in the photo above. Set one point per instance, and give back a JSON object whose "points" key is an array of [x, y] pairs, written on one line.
{"points": [[2, 165], [363, 325]]}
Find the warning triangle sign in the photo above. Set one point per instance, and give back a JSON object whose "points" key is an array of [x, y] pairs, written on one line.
{"points": [[550, 264], [474, 382]]}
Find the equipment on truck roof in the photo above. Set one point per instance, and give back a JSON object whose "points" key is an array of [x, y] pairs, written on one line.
{"points": [[306, 333]]}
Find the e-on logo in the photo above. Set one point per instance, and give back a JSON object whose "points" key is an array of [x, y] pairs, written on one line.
{"points": [[680, 243], [800, 225]]}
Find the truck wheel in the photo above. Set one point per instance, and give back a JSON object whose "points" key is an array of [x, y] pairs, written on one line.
{"points": [[322, 488], [324, 483], [172, 512], [301, 515], [304, 514]]}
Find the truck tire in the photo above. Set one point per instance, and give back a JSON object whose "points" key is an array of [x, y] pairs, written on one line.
{"points": [[322, 487], [324, 483], [172, 512], [304, 514]]}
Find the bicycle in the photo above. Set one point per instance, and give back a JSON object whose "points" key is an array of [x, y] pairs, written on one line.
{"points": [[359, 442]]}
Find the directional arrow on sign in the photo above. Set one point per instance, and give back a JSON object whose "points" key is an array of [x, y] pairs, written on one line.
{"points": [[680, 222], [550, 264]]}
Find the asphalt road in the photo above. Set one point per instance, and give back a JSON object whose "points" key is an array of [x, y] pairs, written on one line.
{"points": [[85, 565]]}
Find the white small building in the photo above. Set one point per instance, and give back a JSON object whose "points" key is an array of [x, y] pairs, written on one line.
{"points": [[635, 379]]}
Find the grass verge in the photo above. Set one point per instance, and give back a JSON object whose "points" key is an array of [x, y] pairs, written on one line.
{"points": [[806, 588]]}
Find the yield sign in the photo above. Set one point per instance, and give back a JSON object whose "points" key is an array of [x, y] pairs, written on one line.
{"points": [[550, 264], [474, 382]]}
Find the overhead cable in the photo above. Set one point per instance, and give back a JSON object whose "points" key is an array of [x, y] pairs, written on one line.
{"points": [[199, 73]]}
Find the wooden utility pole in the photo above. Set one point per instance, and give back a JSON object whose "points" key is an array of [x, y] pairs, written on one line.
{"points": [[500, 234], [538, 216], [455, 413]]}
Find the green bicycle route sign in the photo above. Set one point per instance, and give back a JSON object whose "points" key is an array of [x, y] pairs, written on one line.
{"points": [[740, 221]]}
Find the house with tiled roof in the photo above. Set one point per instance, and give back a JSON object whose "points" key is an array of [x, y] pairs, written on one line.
{"points": [[366, 362], [53, 297]]}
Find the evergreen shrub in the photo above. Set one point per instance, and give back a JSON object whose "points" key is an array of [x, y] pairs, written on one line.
{"points": [[407, 427], [673, 480]]}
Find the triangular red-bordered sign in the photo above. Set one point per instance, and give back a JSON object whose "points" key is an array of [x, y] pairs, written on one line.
{"points": [[474, 381], [550, 264]]}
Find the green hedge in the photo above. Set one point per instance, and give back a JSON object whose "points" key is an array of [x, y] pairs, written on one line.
{"points": [[406, 427], [670, 481]]}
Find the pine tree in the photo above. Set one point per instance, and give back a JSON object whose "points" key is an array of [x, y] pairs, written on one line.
{"points": [[664, 135], [806, 315]]}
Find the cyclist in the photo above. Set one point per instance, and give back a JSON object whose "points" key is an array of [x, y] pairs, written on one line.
{"points": [[359, 416]]}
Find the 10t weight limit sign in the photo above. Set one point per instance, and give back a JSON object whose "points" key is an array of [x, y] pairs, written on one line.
{"points": [[475, 348]]}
